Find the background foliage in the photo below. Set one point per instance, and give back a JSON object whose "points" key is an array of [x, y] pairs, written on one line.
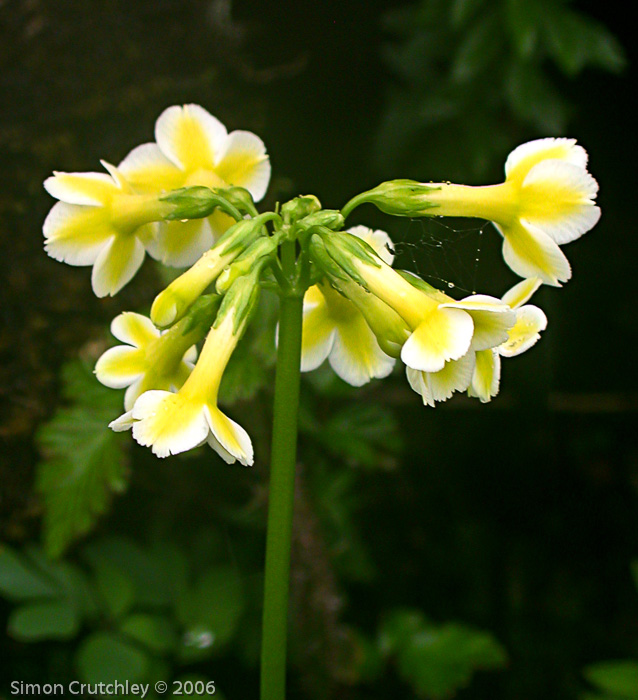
{"points": [[470, 551]]}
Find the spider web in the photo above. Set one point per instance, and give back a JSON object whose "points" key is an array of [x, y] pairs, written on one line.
{"points": [[447, 257]]}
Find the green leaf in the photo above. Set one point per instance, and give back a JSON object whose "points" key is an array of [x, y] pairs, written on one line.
{"points": [[210, 612], [398, 627], [576, 41], [153, 631], [533, 98], [524, 20], [477, 50], [83, 464], [114, 586], [619, 678], [104, 657], [47, 620], [21, 580]]}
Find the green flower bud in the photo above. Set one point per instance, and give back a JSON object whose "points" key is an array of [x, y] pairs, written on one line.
{"points": [[329, 218], [196, 203], [397, 197], [299, 207], [245, 263]]}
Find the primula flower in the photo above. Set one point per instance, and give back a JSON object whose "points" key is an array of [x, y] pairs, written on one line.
{"points": [[547, 200], [334, 328], [171, 423], [149, 360], [99, 221], [194, 148], [530, 321], [441, 328]]}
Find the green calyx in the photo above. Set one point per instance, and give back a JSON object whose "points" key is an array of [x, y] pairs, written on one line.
{"points": [[299, 207], [398, 198], [241, 298], [197, 202], [263, 247], [327, 218], [240, 198]]}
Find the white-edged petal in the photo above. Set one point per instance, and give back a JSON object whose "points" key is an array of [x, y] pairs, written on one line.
{"points": [[190, 136], [486, 377], [439, 386], [522, 292], [116, 265], [525, 156], [89, 189], [124, 422], [134, 329], [530, 321], [147, 169], [181, 244], [318, 330], [356, 356], [230, 435], [120, 366], [244, 163], [531, 253], [76, 234], [379, 240], [558, 197], [445, 334], [492, 319], [169, 423]]}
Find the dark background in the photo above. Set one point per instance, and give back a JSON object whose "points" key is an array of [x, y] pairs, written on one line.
{"points": [[520, 516]]}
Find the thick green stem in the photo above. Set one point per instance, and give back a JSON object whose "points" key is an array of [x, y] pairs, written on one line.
{"points": [[282, 480]]}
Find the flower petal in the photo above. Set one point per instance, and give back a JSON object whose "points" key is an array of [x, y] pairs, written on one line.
{"points": [[318, 330], [356, 356], [169, 423], [492, 319], [76, 234], [181, 243], [530, 321], [219, 223], [148, 170], [439, 386], [230, 435], [487, 376], [120, 366], [376, 239], [90, 189], [558, 197], [124, 422], [522, 292], [531, 253], [116, 265], [445, 334], [190, 136], [523, 158], [134, 329], [244, 163]]}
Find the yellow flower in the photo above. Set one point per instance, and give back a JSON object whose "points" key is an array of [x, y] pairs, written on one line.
{"points": [[99, 221], [334, 328], [530, 321], [171, 423], [194, 148], [149, 360], [547, 200]]}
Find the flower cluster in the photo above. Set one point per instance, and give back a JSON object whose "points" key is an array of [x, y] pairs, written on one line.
{"points": [[188, 200]]}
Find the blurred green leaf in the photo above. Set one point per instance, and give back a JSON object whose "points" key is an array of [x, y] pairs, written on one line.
{"points": [[153, 631], [618, 678], [104, 657], [438, 660], [46, 620], [477, 50], [83, 463], [524, 18], [463, 10], [210, 612], [576, 41], [114, 586], [534, 100], [20, 580]]}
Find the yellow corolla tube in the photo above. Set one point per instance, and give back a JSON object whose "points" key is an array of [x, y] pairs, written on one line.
{"points": [[547, 200], [171, 423]]}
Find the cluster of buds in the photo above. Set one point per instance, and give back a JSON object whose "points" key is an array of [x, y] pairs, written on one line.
{"points": [[188, 200]]}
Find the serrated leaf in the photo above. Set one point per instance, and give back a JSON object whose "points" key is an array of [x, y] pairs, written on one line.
{"points": [[83, 463], [153, 631], [57, 619], [104, 657], [618, 678], [21, 580]]}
